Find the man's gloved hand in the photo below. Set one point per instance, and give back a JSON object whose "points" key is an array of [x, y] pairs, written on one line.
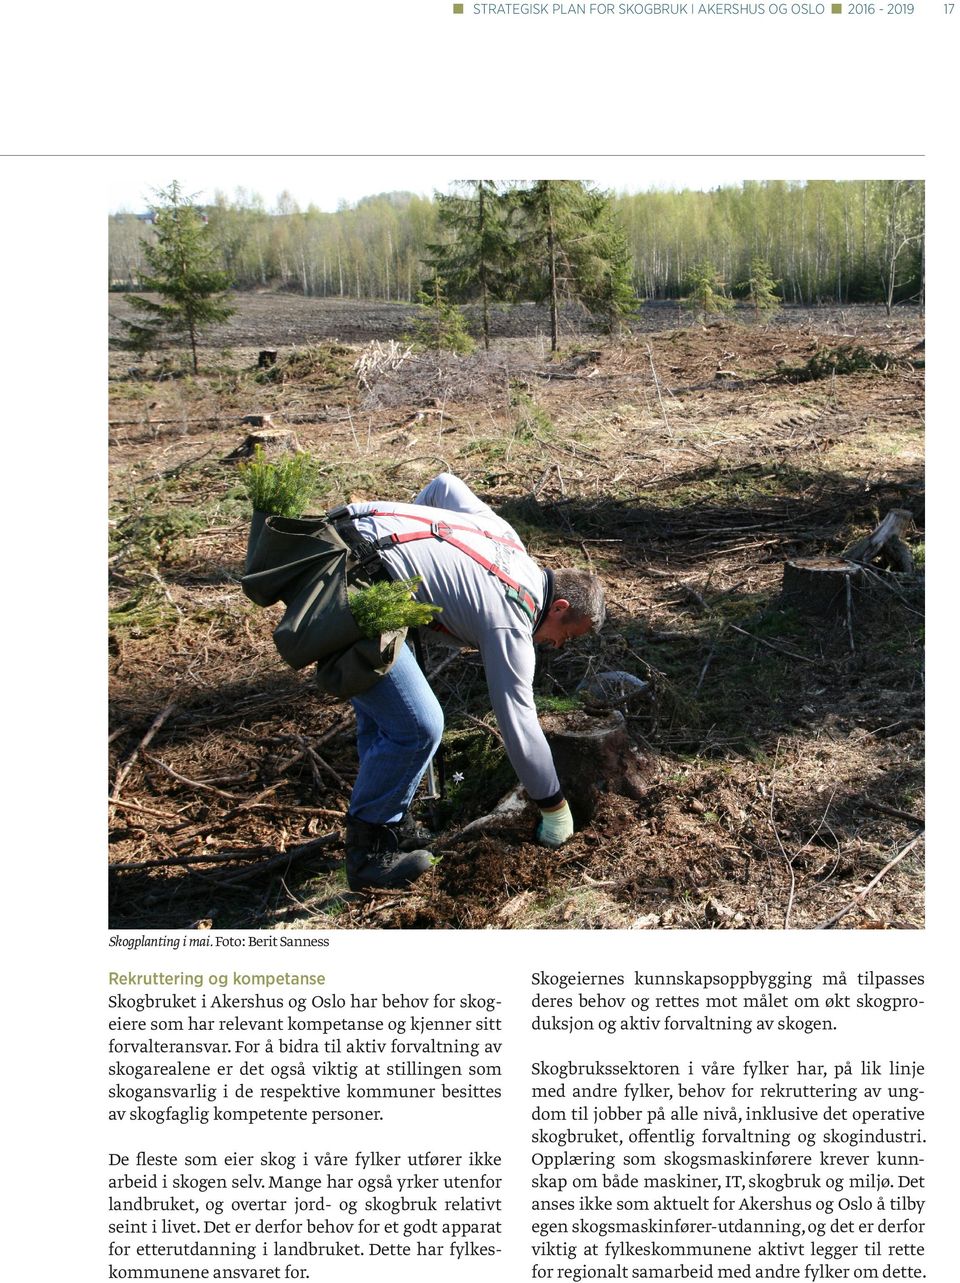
{"points": [[555, 826]]}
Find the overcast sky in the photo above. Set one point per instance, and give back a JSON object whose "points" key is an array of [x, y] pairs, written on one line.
{"points": [[327, 182]]}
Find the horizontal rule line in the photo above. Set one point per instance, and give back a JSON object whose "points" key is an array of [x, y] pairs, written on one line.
{"points": [[465, 155]]}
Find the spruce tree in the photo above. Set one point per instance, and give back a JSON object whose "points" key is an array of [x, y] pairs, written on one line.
{"points": [[760, 288], [182, 269], [705, 296], [604, 267], [440, 326], [477, 259], [571, 249]]}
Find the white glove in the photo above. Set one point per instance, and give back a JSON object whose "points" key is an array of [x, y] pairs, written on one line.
{"points": [[555, 826]]}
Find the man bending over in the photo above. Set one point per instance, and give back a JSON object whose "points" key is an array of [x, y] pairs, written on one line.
{"points": [[493, 597]]}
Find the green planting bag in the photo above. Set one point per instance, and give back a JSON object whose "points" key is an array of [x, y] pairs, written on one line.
{"points": [[303, 562], [356, 668]]}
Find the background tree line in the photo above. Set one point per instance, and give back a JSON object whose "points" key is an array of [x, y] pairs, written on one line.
{"points": [[822, 241]]}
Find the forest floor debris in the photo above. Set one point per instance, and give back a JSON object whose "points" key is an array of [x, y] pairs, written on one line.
{"points": [[677, 463]]}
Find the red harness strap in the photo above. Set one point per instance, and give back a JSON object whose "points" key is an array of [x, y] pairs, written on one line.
{"points": [[441, 530], [445, 525]]}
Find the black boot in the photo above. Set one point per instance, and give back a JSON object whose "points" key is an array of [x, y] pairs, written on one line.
{"points": [[412, 835], [375, 858]]}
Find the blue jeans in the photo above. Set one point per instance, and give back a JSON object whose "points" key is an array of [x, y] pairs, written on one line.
{"points": [[399, 725]]}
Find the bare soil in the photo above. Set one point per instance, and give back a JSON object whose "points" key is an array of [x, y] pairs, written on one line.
{"points": [[270, 319], [684, 464]]}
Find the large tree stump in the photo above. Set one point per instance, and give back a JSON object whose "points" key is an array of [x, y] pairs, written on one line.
{"points": [[275, 441], [819, 585], [593, 755], [823, 585]]}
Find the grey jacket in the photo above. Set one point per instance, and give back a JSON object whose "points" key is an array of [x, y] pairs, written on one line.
{"points": [[476, 608]]}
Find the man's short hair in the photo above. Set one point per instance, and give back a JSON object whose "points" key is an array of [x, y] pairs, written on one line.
{"points": [[584, 592]]}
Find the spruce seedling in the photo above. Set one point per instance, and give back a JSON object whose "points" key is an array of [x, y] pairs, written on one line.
{"points": [[388, 606], [281, 489]]}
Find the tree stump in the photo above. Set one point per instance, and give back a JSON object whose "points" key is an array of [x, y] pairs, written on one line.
{"points": [[266, 358], [822, 585], [885, 544], [274, 441], [593, 755], [819, 585]]}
